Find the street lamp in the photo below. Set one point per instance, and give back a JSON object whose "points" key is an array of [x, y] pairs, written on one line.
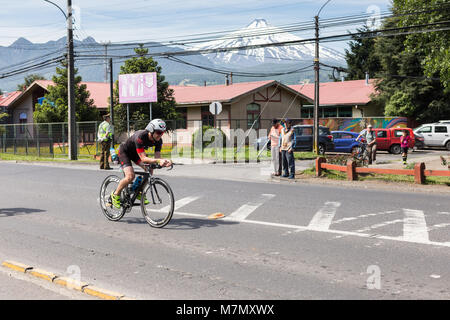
{"points": [[316, 83], [73, 144]]}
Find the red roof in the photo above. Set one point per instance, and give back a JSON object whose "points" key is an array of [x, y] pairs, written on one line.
{"points": [[9, 97], [221, 93], [352, 92], [99, 91]]}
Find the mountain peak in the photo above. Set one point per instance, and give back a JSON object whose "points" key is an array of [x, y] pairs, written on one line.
{"points": [[21, 42], [258, 23]]}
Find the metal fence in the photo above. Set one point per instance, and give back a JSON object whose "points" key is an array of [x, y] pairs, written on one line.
{"points": [[51, 139]]}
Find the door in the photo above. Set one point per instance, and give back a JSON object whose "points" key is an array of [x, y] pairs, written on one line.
{"points": [[338, 142], [382, 139], [440, 135], [426, 132]]}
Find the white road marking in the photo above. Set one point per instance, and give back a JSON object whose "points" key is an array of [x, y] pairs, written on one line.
{"points": [[437, 226], [179, 203], [244, 211], [415, 226], [379, 225], [330, 231], [363, 216], [323, 218]]}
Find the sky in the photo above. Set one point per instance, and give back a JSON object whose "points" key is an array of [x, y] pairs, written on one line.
{"points": [[139, 20]]}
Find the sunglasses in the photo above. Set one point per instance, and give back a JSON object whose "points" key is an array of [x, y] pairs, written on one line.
{"points": [[159, 132]]}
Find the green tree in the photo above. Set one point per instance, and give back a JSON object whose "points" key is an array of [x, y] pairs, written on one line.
{"points": [[140, 112], [405, 88], [434, 47], [28, 81], [55, 106], [361, 57]]}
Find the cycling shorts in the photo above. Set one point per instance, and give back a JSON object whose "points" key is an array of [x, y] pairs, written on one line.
{"points": [[125, 160]]}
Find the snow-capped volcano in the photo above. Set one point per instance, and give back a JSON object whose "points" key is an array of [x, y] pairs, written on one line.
{"points": [[260, 32]]}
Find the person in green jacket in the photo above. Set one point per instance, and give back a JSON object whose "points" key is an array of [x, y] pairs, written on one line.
{"points": [[104, 135]]}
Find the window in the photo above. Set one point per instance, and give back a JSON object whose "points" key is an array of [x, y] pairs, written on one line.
{"points": [[307, 131], [330, 112], [345, 112], [399, 133], [307, 112], [207, 117], [182, 118], [440, 129], [253, 115], [324, 131], [22, 121], [382, 134], [336, 135], [346, 136], [425, 130]]}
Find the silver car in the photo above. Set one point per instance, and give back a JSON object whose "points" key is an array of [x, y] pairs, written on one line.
{"points": [[435, 134]]}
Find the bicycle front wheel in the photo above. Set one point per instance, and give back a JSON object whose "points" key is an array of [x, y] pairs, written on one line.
{"points": [[157, 203], [109, 185]]}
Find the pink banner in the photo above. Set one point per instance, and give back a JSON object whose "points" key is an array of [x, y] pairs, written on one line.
{"points": [[138, 87]]}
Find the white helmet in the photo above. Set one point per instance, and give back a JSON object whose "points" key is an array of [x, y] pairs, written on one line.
{"points": [[156, 124]]}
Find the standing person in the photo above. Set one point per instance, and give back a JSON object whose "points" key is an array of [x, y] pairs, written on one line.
{"points": [[287, 152], [274, 137], [104, 136], [405, 141], [371, 140]]}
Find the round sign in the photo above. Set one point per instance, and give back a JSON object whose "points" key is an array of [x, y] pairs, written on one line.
{"points": [[215, 108]]}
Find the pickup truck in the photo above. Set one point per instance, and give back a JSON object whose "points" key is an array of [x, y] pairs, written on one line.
{"points": [[389, 139]]}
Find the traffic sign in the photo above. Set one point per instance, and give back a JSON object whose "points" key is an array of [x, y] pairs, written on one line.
{"points": [[215, 108]]}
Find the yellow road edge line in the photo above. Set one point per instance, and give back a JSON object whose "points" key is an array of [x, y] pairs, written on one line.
{"points": [[65, 281], [101, 293], [16, 266]]}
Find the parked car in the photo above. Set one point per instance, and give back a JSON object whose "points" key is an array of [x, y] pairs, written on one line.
{"points": [[419, 140], [389, 139], [435, 134], [304, 138], [345, 141]]}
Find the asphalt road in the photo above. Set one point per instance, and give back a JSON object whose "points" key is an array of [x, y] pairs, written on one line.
{"points": [[277, 241]]}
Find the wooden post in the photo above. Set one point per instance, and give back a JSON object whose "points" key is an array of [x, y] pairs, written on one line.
{"points": [[351, 172], [319, 161], [419, 173]]}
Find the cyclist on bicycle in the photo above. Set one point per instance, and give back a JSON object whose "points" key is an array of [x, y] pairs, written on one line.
{"points": [[133, 149]]}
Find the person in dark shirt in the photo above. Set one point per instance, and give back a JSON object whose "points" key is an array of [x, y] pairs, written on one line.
{"points": [[133, 149]]}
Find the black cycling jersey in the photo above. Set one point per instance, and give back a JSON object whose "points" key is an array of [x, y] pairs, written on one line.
{"points": [[136, 144]]}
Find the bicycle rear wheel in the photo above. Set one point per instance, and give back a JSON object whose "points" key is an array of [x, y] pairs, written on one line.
{"points": [[161, 203], [109, 185]]}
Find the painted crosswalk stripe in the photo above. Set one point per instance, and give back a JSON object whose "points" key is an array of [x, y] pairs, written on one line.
{"points": [[244, 211], [180, 203], [415, 226], [323, 218]]}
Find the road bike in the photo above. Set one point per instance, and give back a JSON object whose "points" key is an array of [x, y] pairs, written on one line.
{"points": [[155, 191]]}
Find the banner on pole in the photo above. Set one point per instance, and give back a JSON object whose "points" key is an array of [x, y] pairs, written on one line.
{"points": [[138, 88]]}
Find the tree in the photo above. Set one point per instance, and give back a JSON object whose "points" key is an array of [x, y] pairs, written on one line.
{"points": [[434, 47], [362, 58], [55, 106], [140, 113], [405, 88], [28, 81]]}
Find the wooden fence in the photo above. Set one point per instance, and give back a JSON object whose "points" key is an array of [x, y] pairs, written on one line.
{"points": [[352, 170]]}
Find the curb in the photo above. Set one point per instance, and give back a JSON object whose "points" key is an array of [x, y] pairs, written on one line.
{"points": [[69, 283]]}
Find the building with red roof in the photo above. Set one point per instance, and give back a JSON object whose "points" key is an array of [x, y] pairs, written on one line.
{"points": [[342, 99]]}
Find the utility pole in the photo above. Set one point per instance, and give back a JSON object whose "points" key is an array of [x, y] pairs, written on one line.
{"points": [[111, 87], [316, 89], [73, 144]]}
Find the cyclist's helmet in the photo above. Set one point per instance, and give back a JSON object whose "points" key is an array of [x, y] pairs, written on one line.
{"points": [[156, 125]]}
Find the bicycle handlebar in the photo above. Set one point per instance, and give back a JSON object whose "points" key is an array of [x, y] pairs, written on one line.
{"points": [[156, 166]]}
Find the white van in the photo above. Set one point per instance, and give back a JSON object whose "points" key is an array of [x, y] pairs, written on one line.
{"points": [[435, 134]]}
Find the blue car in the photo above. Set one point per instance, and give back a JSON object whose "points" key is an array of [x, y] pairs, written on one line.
{"points": [[345, 141]]}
